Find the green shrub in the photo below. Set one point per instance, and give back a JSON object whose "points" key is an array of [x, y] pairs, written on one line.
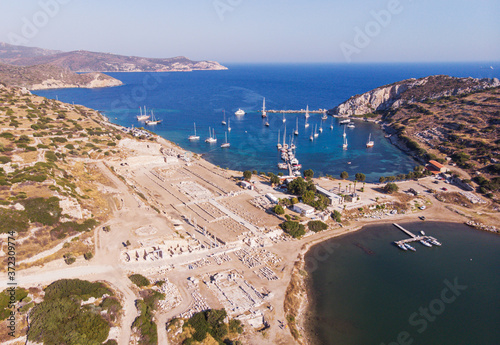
{"points": [[139, 280], [42, 210], [317, 225], [5, 159], [278, 209], [391, 188], [294, 229]]}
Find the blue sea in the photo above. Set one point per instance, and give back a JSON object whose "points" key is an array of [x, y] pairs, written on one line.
{"points": [[182, 99]]}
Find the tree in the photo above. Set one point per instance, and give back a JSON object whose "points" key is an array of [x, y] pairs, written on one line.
{"points": [[360, 177], [382, 179], [344, 175], [294, 229], [309, 173], [337, 216], [247, 175], [391, 188], [274, 179], [278, 209]]}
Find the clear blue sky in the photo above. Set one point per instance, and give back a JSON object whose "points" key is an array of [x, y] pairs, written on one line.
{"points": [[262, 31]]}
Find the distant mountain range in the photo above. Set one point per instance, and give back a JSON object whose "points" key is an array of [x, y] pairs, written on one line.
{"points": [[52, 77], [86, 61]]}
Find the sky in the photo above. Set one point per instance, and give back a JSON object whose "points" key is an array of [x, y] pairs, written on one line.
{"points": [[256, 31]]}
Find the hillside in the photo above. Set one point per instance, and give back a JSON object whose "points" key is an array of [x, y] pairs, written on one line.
{"points": [[409, 91], [52, 77], [11, 52], [49, 187], [86, 61]]}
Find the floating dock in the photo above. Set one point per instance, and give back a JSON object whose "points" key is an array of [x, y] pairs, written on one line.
{"points": [[414, 238]]}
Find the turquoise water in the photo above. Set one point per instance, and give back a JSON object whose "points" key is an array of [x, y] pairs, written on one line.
{"points": [[181, 99], [360, 298]]}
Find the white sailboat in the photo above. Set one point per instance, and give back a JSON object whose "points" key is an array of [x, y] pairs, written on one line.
{"points": [[324, 117], [320, 128], [226, 144], [194, 137], [344, 133], [154, 120], [142, 117], [344, 145], [297, 127], [307, 111], [351, 125], [285, 145], [370, 142], [266, 124], [331, 126], [211, 139], [239, 112], [224, 120], [229, 125], [306, 124], [284, 119], [315, 132], [279, 144], [312, 135], [264, 113]]}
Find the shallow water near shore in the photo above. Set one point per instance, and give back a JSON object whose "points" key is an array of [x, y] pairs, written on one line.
{"points": [[368, 291], [182, 99]]}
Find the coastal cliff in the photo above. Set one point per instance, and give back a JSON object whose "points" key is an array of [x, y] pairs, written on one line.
{"points": [[393, 96], [43, 77]]}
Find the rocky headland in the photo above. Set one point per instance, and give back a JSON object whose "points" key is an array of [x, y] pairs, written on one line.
{"points": [[396, 95]]}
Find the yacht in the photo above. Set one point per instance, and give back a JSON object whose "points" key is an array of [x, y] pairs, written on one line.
{"points": [[266, 124], [194, 137], [401, 245], [154, 120], [410, 247], [351, 125], [434, 241], [370, 142], [142, 117], [239, 112], [343, 122], [226, 144], [264, 113], [425, 243], [211, 139], [283, 166], [324, 117]]}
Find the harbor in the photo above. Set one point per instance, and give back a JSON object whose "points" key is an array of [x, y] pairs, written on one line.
{"points": [[425, 240]]}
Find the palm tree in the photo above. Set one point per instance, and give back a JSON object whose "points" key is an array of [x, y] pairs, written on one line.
{"points": [[339, 187], [355, 185], [350, 188]]}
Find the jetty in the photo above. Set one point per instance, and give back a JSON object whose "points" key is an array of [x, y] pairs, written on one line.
{"points": [[301, 111], [426, 240]]}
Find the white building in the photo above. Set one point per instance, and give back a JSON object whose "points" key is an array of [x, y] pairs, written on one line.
{"points": [[304, 209], [335, 199], [272, 198]]}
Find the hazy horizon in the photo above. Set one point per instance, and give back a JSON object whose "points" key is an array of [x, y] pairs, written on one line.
{"points": [[239, 31]]}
